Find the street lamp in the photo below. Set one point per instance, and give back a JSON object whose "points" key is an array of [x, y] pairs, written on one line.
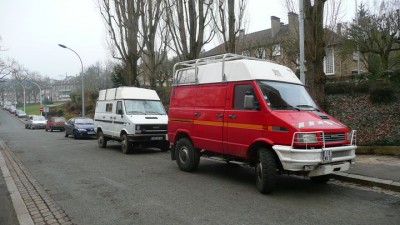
{"points": [[83, 92]]}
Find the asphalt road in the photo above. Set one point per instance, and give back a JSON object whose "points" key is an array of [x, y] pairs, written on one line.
{"points": [[104, 186]]}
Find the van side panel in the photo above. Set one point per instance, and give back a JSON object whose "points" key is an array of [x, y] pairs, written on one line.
{"points": [[209, 119], [242, 126], [181, 111]]}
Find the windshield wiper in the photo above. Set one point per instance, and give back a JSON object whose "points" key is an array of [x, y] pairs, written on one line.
{"points": [[284, 107]]}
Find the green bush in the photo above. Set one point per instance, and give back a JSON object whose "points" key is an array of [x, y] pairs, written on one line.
{"points": [[382, 94]]}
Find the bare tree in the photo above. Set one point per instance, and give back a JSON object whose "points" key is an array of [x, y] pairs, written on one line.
{"points": [[376, 33], [122, 21], [229, 20], [155, 48], [188, 22]]}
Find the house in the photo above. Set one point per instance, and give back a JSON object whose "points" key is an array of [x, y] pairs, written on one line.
{"points": [[280, 44]]}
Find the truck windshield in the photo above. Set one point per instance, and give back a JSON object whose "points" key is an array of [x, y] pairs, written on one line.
{"points": [[286, 96], [144, 107]]}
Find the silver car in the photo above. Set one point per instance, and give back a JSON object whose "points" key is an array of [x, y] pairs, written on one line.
{"points": [[35, 122]]}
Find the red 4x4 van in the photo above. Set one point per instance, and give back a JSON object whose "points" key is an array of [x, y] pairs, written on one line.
{"points": [[252, 111]]}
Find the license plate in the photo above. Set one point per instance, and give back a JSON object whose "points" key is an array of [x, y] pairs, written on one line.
{"points": [[156, 138], [326, 155]]}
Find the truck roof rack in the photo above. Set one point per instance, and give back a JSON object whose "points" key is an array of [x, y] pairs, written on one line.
{"points": [[193, 64]]}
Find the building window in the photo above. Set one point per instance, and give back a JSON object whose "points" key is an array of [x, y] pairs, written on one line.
{"points": [[276, 50], [329, 62]]}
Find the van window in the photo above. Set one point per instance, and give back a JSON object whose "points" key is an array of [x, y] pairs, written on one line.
{"points": [[109, 107], [119, 106], [240, 91]]}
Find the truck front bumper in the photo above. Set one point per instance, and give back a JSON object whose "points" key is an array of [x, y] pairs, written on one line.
{"points": [[315, 160]]}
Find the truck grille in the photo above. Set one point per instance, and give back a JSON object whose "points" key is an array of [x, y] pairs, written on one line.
{"points": [[334, 137], [153, 128]]}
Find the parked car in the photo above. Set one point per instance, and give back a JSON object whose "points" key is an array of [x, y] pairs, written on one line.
{"points": [[20, 113], [35, 122], [55, 123], [80, 127]]}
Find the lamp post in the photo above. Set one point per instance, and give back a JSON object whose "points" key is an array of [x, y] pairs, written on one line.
{"points": [[83, 92]]}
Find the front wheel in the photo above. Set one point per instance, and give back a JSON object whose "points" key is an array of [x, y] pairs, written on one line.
{"points": [[266, 171], [321, 179], [126, 146], [66, 134], [101, 140], [187, 157]]}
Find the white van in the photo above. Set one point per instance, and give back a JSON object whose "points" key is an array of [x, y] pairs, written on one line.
{"points": [[133, 116]]}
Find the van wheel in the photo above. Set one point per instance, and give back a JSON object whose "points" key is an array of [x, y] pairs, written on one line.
{"points": [[126, 146], [164, 147], [321, 179], [101, 140], [187, 157], [266, 171]]}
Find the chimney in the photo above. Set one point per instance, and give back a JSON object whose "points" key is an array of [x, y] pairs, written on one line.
{"points": [[293, 19], [275, 25], [241, 34]]}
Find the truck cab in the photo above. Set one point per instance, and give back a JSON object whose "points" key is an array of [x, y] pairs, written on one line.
{"points": [[255, 112]]}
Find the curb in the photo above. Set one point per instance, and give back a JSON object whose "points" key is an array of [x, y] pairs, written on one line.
{"points": [[367, 181]]}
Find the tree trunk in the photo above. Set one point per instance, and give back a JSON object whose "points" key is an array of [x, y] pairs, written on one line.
{"points": [[231, 21]]}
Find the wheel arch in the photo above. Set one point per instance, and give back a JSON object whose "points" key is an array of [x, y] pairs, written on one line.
{"points": [[253, 156]]}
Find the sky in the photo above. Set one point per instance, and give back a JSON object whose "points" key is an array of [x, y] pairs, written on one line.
{"points": [[31, 30]]}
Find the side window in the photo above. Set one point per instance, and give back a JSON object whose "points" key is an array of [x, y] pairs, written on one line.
{"points": [[240, 91], [109, 107], [119, 107]]}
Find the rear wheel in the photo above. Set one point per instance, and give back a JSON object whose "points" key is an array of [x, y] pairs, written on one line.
{"points": [[187, 157], [126, 146], [101, 140], [321, 179], [266, 171]]}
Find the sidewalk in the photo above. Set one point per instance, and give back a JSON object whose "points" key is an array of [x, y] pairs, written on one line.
{"points": [[374, 170]]}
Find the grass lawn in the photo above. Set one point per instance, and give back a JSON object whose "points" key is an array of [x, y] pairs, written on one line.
{"points": [[33, 108]]}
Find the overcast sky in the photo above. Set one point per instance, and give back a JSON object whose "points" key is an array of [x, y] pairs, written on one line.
{"points": [[32, 29]]}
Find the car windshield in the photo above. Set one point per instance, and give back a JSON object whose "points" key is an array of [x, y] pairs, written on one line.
{"points": [[286, 96], [38, 118], [144, 107], [57, 120], [84, 121]]}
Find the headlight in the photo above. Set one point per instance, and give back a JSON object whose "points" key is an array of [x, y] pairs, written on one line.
{"points": [[307, 138], [349, 135]]}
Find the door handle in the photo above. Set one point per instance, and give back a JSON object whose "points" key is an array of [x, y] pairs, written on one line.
{"points": [[197, 114], [220, 115], [232, 116]]}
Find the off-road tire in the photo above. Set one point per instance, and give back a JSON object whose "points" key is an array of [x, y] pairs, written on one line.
{"points": [[125, 145], [266, 171], [321, 179], [101, 140], [187, 157]]}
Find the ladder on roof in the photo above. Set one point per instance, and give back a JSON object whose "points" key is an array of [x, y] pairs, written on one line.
{"points": [[193, 64]]}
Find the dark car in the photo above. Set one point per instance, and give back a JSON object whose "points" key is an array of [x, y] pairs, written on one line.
{"points": [[55, 123], [80, 127]]}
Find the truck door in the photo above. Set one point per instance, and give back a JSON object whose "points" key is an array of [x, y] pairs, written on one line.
{"points": [[209, 117], [242, 124], [118, 119]]}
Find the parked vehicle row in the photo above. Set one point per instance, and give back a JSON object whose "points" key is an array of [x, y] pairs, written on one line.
{"points": [[228, 107]]}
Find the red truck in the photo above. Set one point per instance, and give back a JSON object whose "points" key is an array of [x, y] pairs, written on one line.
{"points": [[254, 112]]}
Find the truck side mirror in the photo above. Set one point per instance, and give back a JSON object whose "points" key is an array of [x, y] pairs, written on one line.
{"points": [[249, 101]]}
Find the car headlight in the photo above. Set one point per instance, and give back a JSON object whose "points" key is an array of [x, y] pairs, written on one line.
{"points": [[307, 138], [349, 134]]}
